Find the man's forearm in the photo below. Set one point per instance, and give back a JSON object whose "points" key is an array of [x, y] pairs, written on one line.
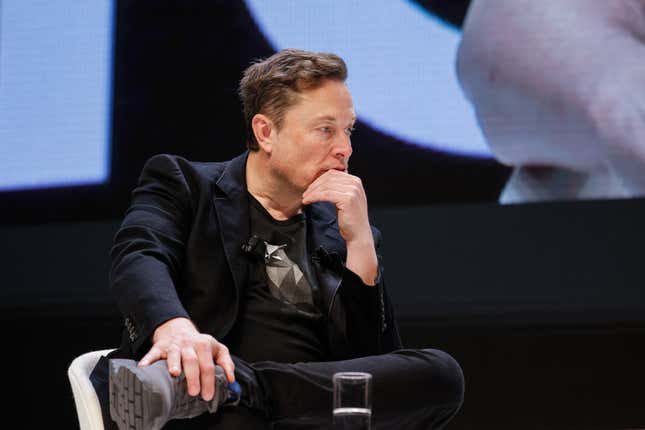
{"points": [[362, 260]]}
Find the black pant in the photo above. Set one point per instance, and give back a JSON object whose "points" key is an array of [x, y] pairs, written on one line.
{"points": [[412, 389]]}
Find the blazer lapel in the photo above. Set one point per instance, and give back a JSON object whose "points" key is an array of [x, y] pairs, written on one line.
{"points": [[328, 250], [232, 207]]}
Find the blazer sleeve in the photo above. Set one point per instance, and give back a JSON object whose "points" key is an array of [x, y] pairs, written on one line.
{"points": [[148, 250], [371, 327]]}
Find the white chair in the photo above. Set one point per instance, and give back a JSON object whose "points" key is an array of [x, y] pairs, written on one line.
{"points": [[88, 408]]}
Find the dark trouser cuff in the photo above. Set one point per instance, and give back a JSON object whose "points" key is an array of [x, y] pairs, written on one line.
{"points": [[254, 393]]}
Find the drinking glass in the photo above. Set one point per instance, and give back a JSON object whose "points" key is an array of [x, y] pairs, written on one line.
{"points": [[352, 400]]}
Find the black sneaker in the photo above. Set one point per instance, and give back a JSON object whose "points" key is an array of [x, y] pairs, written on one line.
{"points": [[147, 398]]}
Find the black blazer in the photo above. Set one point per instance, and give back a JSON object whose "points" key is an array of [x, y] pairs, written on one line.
{"points": [[179, 253]]}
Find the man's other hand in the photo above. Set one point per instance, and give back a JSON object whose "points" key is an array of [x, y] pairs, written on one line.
{"points": [[183, 347], [346, 192]]}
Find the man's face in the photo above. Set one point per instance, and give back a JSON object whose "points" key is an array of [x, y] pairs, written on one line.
{"points": [[315, 135]]}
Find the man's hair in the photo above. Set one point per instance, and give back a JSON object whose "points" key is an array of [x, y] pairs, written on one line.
{"points": [[270, 86]]}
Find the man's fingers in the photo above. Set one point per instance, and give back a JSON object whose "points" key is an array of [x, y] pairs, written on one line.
{"points": [[194, 354], [329, 177], [174, 360], [191, 370], [223, 358], [316, 183], [153, 355], [333, 180], [206, 369], [326, 178], [325, 195]]}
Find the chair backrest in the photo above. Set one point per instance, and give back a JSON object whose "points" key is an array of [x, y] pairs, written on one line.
{"points": [[88, 408]]}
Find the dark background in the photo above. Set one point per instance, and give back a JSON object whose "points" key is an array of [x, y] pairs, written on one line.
{"points": [[541, 304]]}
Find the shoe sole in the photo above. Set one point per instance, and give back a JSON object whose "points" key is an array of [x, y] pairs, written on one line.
{"points": [[132, 407]]}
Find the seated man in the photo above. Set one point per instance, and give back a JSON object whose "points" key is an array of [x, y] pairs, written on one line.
{"points": [[558, 91], [265, 269]]}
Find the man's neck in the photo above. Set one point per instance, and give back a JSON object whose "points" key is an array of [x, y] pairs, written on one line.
{"points": [[279, 199]]}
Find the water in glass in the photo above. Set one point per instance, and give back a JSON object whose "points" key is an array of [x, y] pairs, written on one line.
{"points": [[352, 418]]}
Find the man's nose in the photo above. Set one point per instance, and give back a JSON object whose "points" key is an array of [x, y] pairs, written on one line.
{"points": [[343, 148]]}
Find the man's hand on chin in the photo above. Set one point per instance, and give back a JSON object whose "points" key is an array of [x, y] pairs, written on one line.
{"points": [[346, 192]]}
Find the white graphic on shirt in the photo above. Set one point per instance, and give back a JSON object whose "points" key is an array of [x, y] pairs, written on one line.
{"points": [[287, 282]]}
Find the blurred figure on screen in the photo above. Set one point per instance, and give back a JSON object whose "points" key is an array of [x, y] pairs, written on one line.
{"points": [[559, 91]]}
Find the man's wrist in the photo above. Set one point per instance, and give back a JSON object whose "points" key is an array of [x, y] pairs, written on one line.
{"points": [[362, 260], [361, 241]]}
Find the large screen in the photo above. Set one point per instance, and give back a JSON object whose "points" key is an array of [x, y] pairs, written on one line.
{"points": [[55, 93], [457, 102], [462, 105]]}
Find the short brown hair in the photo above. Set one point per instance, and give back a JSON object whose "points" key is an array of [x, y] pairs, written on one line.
{"points": [[270, 86]]}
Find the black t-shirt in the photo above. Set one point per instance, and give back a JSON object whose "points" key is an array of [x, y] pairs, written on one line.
{"points": [[279, 317]]}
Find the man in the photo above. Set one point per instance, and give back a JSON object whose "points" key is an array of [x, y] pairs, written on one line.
{"points": [[558, 90], [264, 268]]}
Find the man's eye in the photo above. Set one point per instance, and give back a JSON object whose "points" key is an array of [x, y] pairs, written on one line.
{"points": [[349, 131], [326, 130]]}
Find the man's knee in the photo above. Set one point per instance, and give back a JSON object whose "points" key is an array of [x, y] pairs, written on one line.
{"points": [[434, 372], [445, 373]]}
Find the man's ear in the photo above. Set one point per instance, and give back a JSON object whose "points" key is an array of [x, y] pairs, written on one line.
{"points": [[263, 131]]}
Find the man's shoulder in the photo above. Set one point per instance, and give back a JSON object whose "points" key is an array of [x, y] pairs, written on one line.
{"points": [[178, 165], [180, 176], [183, 169]]}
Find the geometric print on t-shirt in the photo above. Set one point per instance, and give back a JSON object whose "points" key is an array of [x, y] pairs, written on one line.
{"points": [[286, 281]]}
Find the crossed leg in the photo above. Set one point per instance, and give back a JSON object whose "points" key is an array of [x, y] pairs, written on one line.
{"points": [[412, 389]]}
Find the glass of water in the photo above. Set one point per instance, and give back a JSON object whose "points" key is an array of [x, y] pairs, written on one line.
{"points": [[352, 400]]}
